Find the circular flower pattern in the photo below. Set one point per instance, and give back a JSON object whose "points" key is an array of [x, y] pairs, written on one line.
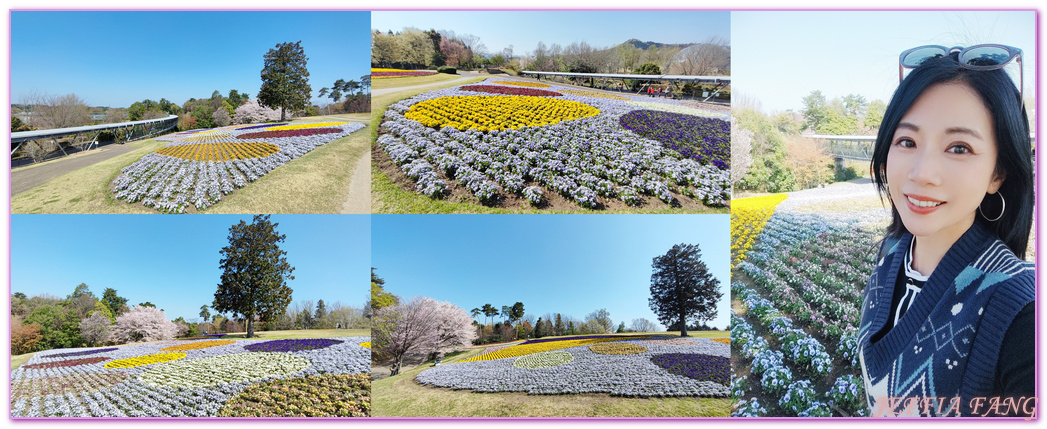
{"points": [[706, 140], [518, 83], [222, 369], [219, 151], [495, 113], [62, 384], [593, 94], [696, 366], [292, 345], [543, 359], [495, 89], [346, 395], [65, 363], [617, 348], [197, 345], [144, 360]]}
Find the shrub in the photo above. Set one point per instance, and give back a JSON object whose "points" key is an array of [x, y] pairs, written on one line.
{"points": [[447, 69], [24, 338]]}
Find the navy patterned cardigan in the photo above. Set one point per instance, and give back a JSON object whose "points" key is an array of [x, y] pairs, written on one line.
{"points": [[942, 355]]}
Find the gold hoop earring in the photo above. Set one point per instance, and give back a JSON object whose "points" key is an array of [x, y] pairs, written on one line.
{"points": [[1003, 208]]}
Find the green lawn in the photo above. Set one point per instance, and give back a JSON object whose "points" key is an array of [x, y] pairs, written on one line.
{"points": [[317, 182], [401, 396], [397, 82], [19, 360]]}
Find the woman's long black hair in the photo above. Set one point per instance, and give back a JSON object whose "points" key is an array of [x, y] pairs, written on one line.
{"points": [[1014, 149]]}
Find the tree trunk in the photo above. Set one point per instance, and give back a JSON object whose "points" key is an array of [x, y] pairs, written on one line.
{"points": [[683, 326], [250, 327], [283, 111]]}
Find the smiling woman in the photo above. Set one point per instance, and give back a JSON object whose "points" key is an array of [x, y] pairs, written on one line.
{"points": [[948, 312]]}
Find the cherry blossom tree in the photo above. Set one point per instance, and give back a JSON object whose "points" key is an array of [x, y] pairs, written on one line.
{"points": [[421, 325], [95, 328], [251, 112], [143, 324]]}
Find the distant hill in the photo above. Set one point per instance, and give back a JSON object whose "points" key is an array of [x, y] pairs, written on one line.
{"points": [[645, 45]]}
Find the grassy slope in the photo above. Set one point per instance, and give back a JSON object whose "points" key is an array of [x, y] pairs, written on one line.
{"points": [[317, 182], [397, 82], [387, 197], [19, 360], [401, 396]]}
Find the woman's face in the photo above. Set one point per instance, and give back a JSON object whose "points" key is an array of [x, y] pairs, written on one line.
{"points": [[941, 162]]}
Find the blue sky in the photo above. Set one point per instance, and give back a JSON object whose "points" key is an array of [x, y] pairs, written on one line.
{"points": [[117, 58], [172, 261], [780, 57], [600, 29], [568, 264]]}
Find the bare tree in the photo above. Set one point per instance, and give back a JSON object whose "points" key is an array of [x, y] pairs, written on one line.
{"points": [[709, 58], [63, 111], [643, 325], [741, 151]]}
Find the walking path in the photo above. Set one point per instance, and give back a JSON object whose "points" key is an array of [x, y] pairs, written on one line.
{"points": [[359, 201], [32, 176]]}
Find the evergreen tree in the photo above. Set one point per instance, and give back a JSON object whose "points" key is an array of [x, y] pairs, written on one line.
{"points": [[254, 273], [115, 303], [285, 79], [682, 288], [538, 329]]}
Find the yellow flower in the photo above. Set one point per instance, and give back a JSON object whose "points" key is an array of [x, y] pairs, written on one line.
{"points": [[494, 113], [748, 217], [144, 360], [197, 345]]}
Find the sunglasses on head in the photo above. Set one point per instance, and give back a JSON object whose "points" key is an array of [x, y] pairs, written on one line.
{"points": [[977, 57]]}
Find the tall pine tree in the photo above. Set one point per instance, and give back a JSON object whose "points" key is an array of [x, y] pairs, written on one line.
{"points": [[254, 273], [682, 288], [285, 79]]}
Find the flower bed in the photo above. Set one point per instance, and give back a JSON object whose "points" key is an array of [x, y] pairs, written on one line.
{"points": [[800, 282], [617, 348], [520, 83], [292, 345], [551, 372], [366, 344], [63, 384], [543, 359], [536, 347], [495, 89], [197, 345], [219, 151], [748, 217], [145, 360], [313, 396], [697, 366], [78, 353], [486, 113], [65, 363], [288, 133], [706, 140], [215, 370], [92, 390], [510, 148], [594, 94], [197, 170]]}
